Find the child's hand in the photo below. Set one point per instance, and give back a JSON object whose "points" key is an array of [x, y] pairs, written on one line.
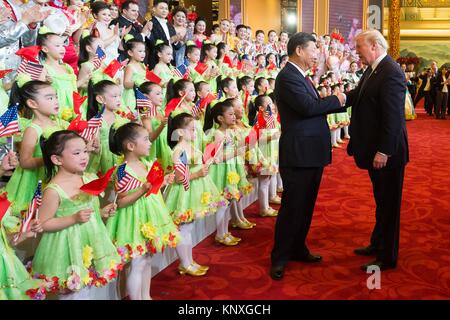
{"points": [[109, 210], [36, 226], [9, 161], [83, 216], [164, 121], [169, 179], [146, 186], [203, 172]]}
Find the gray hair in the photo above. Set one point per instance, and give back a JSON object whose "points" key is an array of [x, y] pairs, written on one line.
{"points": [[373, 36]]}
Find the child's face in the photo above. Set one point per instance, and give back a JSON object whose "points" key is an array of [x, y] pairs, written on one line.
{"points": [[272, 59], [74, 157], [212, 54], [238, 109], [225, 26], [190, 132], [166, 55], [45, 101], [138, 52], [264, 86], [54, 47], [142, 143], [266, 102], [284, 37], [261, 61], [260, 38], [156, 96], [189, 93], [194, 56], [272, 37], [249, 87], [354, 67], [228, 118], [205, 89], [232, 90], [111, 98], [77, 3], [104, 16]]}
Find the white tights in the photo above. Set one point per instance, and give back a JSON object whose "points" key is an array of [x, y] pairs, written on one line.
{"points": [[139, 278], [222, 219], [184, 246], [279, 181], [346, 132], [273, 187], [333, 137], [263, 192], [237, 213]]}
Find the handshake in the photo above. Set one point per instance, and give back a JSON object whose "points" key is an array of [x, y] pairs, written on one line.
{"points": [[342, 98]]}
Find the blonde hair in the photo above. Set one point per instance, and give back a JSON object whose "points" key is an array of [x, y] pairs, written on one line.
{"points": [[373, 36]]}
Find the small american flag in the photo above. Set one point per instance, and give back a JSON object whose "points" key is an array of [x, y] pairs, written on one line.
{"points": [[196, 109], [32, 210], [182, 71], [93, 126], [9, 123], [142, 102], [125, 182], [270, 121], [100, 55], [182, 168], [31, 68]]}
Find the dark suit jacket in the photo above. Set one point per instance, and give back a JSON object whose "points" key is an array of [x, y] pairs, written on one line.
{"points": [[158, 33], [378, 117], [135, 30], [305, 136]]}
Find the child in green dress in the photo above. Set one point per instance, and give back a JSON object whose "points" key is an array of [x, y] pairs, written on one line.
{"points": [[60, 74], [246, 85], [208, 56], [142, 225], [75, 251], [135, 72], [162, 68], [201, 196], [41, 105]]}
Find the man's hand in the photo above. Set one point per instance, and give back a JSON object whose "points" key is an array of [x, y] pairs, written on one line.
{"points": [[380, 160], [342, 98]]}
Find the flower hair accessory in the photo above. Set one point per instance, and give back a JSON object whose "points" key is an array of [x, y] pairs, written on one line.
{"points": [[44, 30]]}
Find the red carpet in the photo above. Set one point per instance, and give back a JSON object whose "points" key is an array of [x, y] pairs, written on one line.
{"points": [[343, 220]]}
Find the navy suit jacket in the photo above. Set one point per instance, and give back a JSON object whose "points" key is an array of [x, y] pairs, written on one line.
{"points": [[378, 117], [305, 136]]}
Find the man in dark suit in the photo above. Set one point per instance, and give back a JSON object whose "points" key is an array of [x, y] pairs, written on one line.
{"points": [[379, 142], [129, 20], [305, 149], [425, 91], [162, 30]]}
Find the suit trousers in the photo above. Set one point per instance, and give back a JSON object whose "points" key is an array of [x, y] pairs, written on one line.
{"points": [[300, 189], [387, 189]]}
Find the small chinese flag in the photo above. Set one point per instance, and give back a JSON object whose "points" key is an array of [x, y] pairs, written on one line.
{"points": [[155, 177], [173, 105], [201, 68], [227, 60], [4, 205], [29, 53], [99, 185], [78, 100], [3, 73], [253, 136], [112, 68], [77, 124], [210, 152], [151, 76]]}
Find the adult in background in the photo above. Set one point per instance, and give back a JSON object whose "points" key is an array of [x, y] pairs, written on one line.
{"points": [[179, 23], [162, 30], [305, 149], [379, 142]]}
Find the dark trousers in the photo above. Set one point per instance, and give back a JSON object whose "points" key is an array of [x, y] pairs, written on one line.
{"points": [[387, 189], [300, 189], [428, 100], [441, 104]]}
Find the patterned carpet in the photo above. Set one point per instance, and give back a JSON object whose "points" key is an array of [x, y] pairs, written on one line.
{"points": [[343, 220]]}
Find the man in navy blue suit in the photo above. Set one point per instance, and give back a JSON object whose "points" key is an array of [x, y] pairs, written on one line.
{"points": [[379, 142], [305, 149]]}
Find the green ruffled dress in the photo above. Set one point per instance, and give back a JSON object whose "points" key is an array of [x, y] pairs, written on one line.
{"points": [[129, 95], [81, 255]]}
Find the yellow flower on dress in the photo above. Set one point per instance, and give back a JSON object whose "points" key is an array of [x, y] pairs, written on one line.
{"points": [[87, 256], [86, 279], [233, 177], [206, 197], [148, 231], [67, 114], [248, 156]]}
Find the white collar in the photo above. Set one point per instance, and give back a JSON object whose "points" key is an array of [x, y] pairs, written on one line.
{"points": [[299, 69], [377, 62], [161, 20]]}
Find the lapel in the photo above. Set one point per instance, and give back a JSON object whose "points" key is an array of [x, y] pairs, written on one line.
{"points": [[372, 78], [309, 87], [161, 34]]}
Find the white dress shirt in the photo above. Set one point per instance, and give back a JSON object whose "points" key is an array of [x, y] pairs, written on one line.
{"points": [[163, 23]]}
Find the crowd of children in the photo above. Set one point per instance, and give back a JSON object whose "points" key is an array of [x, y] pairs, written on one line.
{"points": [[169, 146]]}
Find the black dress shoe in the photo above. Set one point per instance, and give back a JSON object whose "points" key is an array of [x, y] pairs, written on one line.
{"points": [[380, 264], [310, 258], [366, 251], [277, 272]]}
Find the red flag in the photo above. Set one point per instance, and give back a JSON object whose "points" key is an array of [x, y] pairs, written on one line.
{"points": [[77, 124], [271, 66], [253, 136], [207, 100], [4, 205], [201, 68], [247, 95], [3, 73], [210, 151], [173, 105], [155, 177], [97, 186], [78, 100], [262, 124], [29, 53], [227, 60], [151, 76], [239, 65], [112, 68]]}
